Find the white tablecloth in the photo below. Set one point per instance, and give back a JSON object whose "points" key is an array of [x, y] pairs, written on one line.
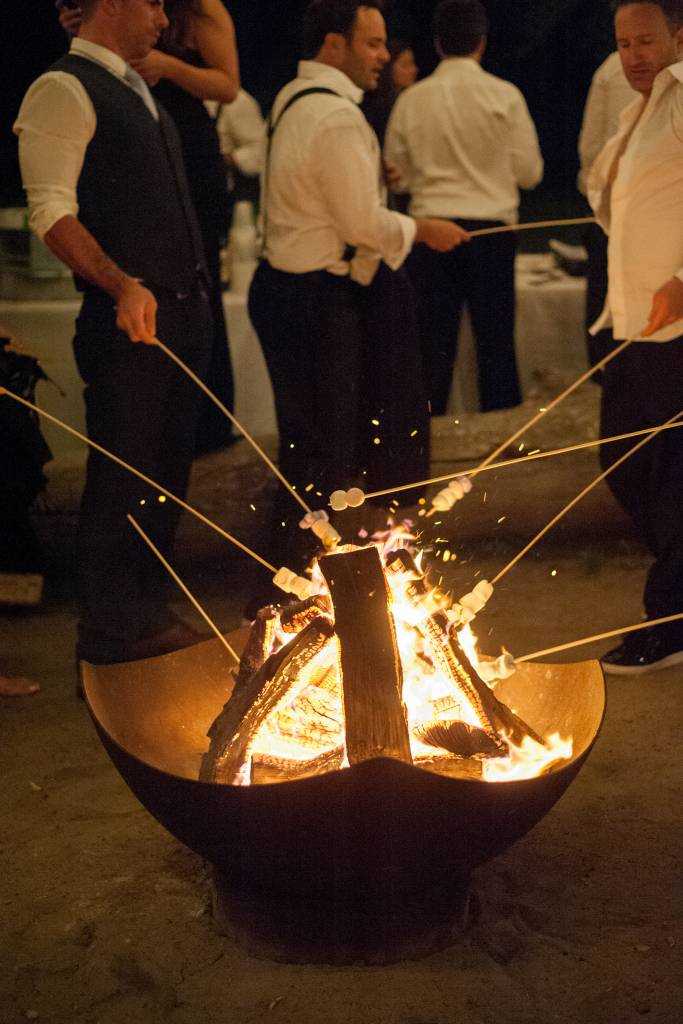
{"points": [[46, 329], [549, 334]]}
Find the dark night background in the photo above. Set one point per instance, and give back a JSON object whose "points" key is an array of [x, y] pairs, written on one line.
{"points": [[549, 48]]}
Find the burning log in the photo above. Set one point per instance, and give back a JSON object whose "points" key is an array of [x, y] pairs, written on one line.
{"points": [[494, 716], [249, 707], [370, 666]]}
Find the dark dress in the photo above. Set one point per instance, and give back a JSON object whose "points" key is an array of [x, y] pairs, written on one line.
{"points": [[207, 180]]}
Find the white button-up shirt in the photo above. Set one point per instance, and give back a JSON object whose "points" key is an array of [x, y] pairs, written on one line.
{"points": [[636, 190], [464, 144], [55, 125], [241, 131], [608, 95], [322, 189]]}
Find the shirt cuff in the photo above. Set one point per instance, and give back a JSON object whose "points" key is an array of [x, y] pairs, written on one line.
{"points": [[43, 214], [408, 229]]}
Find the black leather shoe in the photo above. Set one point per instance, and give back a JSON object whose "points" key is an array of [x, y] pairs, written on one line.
{"points": [[642, 652]]}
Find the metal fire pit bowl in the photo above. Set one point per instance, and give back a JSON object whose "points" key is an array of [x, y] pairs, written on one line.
{"points": [[379, 829]]}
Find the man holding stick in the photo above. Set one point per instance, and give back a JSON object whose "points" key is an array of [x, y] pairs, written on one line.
{"points": [[106, 189], [636, 190], [330, 301]]}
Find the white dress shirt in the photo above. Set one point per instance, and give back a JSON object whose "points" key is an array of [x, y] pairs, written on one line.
{"points": [[241, 132], [322, 190], [608, 96], [636, 190], [55, 124], [464, 144]]}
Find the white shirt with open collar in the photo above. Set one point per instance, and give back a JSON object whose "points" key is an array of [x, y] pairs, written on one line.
{"points": [[636, 190], [323, 185]]}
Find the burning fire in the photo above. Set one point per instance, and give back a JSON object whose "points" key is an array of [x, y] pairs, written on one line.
{"points": [[308, 723]]}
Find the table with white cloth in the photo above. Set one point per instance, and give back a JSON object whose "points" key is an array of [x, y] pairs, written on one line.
{"points": [[46, 329], [549, 335]]}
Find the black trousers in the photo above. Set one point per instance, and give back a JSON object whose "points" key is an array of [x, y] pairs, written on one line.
{"points": [[481, 274], [140, 406], [340, 356], [644, 387]]}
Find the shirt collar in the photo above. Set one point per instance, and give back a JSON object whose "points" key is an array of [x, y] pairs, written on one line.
{"points": [[676, 70], [100, 55], [333, 78], [451, 64]]}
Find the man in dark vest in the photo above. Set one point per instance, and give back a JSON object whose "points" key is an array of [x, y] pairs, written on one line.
{"points": [[106, 190]]}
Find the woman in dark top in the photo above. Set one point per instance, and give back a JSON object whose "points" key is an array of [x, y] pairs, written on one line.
{"points": [[196, 60], [399, 73]]}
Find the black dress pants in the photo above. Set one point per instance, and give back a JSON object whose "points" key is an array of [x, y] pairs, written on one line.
{"points": [[141, 407], [339, 356], [643, 387], [480, 273]]}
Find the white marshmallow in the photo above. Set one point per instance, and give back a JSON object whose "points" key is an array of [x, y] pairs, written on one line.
{"points": [[501, 668], [326, 533], [355, 497], [288, 581], [313, 517], [339, 501], [477, 598], [455, 491]]}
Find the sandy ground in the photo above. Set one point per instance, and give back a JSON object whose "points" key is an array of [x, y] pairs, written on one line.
{"points": [[105, 918]]}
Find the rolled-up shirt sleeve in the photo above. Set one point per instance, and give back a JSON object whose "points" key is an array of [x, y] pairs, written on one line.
{"points": [[349, 184], [55, 124]]}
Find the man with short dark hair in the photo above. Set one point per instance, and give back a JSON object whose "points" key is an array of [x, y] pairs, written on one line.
{"points": [[103, 171], [636, 190], [330, 303], [464, 144]]}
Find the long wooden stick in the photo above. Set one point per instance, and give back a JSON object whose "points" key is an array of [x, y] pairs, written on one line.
{"points": [[547, 408], [599, 636], [589, 487], [173, 574], [136, 472], [520, 460], [531, 225], [235, 422]]}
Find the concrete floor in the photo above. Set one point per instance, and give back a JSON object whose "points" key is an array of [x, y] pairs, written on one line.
{"points": [[105, 917]]}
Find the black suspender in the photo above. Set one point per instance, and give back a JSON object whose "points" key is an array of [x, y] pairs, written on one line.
{"points": [[271, 129]]}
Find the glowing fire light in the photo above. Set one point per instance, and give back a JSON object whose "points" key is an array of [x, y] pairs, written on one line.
{"points": [[309, 721]]}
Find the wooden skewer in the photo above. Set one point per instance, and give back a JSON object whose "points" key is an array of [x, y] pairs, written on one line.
{"points": [[649, 437], [531, 225], [520, 460], [136, 472], [599, 636], [547, 408], [173, 574], [235, 422]]}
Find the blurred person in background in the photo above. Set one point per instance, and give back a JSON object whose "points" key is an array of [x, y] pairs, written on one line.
{"points": [[398, 74], [462, 143], [241, 133]]}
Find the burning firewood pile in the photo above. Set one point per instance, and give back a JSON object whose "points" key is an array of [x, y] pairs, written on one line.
{"points": [[374, 665]]}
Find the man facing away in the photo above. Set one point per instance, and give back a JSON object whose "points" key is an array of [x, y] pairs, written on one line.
{"points": [[464, 144], [636, 190], [330, 303], [106, 189]]}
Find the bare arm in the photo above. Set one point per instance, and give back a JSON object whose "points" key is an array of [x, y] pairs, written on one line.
{"points": [[135, 305], [213, 35]]}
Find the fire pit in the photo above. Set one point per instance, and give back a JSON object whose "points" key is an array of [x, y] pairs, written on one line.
{"points": [[375, 835]]}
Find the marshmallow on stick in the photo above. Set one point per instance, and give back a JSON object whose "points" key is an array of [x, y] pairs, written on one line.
{"points": [[288, 581], [319, 523]]}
